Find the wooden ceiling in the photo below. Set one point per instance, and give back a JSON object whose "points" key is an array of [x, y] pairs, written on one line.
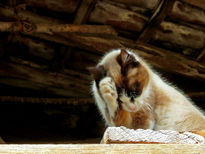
{"points": [[45, 46]]}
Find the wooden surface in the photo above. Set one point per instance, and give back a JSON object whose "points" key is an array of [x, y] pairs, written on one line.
{"points": [[1, 141], [198, 3], [99, 149], [73, 101]]}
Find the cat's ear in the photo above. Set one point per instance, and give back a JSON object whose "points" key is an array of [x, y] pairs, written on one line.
{"points": [[97, 72], [125, 58]]}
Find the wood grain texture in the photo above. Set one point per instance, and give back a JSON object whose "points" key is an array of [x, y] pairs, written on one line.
{"points": [[26, 77], [24, 26], [73, 101], [99, 149], [158, 16], [106, 13], [176, 64], [9, 13], [198, 3], [185, 12], [84, 11], [201, 57], [59, 6], [140, 3], [179, 35]]}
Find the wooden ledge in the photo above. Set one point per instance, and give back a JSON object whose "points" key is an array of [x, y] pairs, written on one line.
{"points": [[103, 148]]}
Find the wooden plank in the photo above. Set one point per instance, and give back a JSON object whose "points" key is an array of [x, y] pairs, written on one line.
{"points": [[9, 13], [158, 16], [201, 57], [128, 6], [178, 64], [70, 101], [179, 35], [26, 77], [58, 6], [155, 56], [172, 62], [198, 3], [106, 13], [187, 13], [103, 148], [84, 11], [148, 4], [40, 49], [26, 26]]}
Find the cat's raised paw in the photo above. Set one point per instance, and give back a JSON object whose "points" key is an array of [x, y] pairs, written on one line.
{"points": [[109, 92], [107, 87]]}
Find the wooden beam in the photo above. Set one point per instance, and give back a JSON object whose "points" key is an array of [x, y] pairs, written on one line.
{"points": [[106, 13], [178, 64], [147, 4], [51, 82], [44, 89], [155, 56], [201, 57], [40, 49], [171, 62], [128, 6], [9, 14], [84, 11], [198, 3], [103, 148], [58, 6], [158, 16], [187, 13], [166, 33], [179, 35], [28, 27], [92, 43], [27, 63], [68, 101]]}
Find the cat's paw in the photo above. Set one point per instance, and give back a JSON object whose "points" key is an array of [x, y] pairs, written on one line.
{"points": [[108, 88], [109, 93]]}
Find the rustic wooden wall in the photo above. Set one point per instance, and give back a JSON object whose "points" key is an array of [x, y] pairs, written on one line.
{"points": [[45, 47]]}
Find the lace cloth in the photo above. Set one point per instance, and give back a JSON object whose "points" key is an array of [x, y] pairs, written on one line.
{"points": [[125, 135]]}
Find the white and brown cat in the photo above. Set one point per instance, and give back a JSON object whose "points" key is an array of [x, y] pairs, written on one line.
{"points": [[129, 93]]}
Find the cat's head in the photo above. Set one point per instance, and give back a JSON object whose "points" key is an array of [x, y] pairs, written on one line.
{"points": [[126, 69]]}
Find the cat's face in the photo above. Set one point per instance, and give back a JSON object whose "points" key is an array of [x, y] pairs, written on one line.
{"points": [[128, 73]]}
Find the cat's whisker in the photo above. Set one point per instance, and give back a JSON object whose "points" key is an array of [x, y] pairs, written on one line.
{"points": [[148, 106]]}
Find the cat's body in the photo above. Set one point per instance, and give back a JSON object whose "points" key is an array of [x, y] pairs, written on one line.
{"points": [[129, 93]]}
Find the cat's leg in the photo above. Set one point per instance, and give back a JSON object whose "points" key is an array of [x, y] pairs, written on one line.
{"points": [[109, 94]]}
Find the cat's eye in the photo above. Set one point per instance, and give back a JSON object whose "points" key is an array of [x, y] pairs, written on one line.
{"points": [[135, 64]]}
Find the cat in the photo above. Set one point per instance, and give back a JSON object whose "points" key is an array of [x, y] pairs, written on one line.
{"points": [[128, 92]]}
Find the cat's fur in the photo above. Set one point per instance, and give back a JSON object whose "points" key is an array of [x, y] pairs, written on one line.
{"points": [[129, 93]]}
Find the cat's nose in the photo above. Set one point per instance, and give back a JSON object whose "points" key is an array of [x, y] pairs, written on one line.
{"points": [[133, 108]]}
